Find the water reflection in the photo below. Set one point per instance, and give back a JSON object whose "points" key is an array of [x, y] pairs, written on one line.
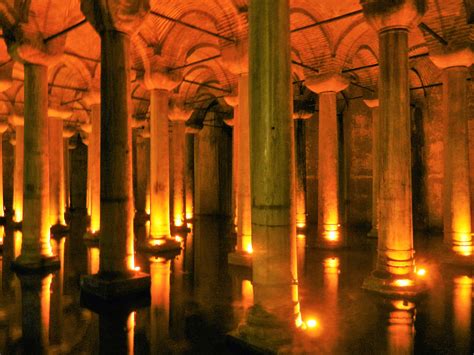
{"points": [[117, 332], [400, 327], [462, 310], [160, 304]]}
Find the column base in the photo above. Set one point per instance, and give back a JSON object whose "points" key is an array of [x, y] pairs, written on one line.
{"points": [[451, 258], [115, 287], [160, 246], [262, 333], [91, 238], [389, 285], [59, 231], [17, 226], [240, 258], [38, 266], [141, 217], [373, 233], [180, 230]]}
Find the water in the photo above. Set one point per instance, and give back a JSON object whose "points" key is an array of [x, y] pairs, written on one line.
{"points": [[196, 298]]}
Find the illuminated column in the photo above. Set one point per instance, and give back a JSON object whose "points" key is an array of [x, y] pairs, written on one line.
{"points": [[269, 322], [18, 123], [178, 116], [68, 132], [116, 277], [329, 206], [395, 264], [3, 128], [142, 156], [456, 194], [36, 247], [234, 102], [92, 98], [236, 59], [374, 106], [189, 175], [57, 203], [300, 160]]}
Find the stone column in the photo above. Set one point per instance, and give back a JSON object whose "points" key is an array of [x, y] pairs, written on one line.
{"points": [[178, 116], [68, 132], [92, 98], [373, 104], [36, 248], [189, 176], [18, 123], [142, 159], [456, 194], [273, 315], [329, 205], [236, 59], [395, 263], [57, 208], [116, 277], [3, 128]]}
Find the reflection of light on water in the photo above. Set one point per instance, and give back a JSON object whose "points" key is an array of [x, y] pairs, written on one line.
{"points": [[2, 234], [421, 272], [462, 311], [17, 238], [249, 248], [160, 302], [178, 238], [400, 328], [131, 332], [157, 242], [93, 256], [247, 293]]}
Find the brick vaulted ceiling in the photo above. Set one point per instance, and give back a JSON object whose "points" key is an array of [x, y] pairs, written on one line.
{"points": [[163, 40]]}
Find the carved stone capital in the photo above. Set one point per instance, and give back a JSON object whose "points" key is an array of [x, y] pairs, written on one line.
{"points": [[327, 83], [236, 58], [115, 15]]}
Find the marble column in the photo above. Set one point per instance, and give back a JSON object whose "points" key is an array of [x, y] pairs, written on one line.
{"points": [[456, 194], [93, 164], [178, 116], [394, 273], [142, 158], [3, 128], [117, 276], [189, 176], [329, 205], [18, 123], [270, 320], [373, 104]]}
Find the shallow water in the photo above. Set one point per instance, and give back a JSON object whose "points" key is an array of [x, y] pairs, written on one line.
{"points": [[196, 298]]}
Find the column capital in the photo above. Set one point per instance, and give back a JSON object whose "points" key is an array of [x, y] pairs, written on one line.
{"points": [[384, 15], [177, 110], [229, 122], [192, 130], [3, 126], [58, 111], [371, 103], [159, 79], [16, 120], [330, 82], [461, 57], [69, 131], [115, 15], [92, 97], [236, 57], [232, 100]]}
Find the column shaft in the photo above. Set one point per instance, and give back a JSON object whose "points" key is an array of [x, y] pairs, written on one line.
{"points": [[36, 222], [56, 172], [328, 171], [300, 184], [94, 168], [189, 176], [2, 204], [178, 172], [18, 174], [272, 160], [116, 203], [142, 172], [159, 165], [395, 243], [456, 206]]}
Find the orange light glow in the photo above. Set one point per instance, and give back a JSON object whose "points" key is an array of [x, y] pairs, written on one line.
{"points": [[157, 242], [332, 236], [247, 293], [311, 323], [189, 215], [403, 283], [300, 236], [178, 239], [300, 225], [331, 263], [137, 268], [403, 305], [249, 248], [464, 250], [18, 214], [421, 272], [178, 221]]}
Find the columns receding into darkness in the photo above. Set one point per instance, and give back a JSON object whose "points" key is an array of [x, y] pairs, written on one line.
{"points": [[272, 171], [329, 205], [456, 194], [395, 268]]}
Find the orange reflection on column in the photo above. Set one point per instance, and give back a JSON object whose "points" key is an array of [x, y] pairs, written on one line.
{"points": [[17, 239], [93, 256], [462, 309], [247, 294]]}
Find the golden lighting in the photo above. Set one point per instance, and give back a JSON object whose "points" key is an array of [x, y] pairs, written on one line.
{"points": [[300, 225], [311, 323], [94, 259], [17, 240], [178, 221], [402, 305], [18, 214], [178, 239], [464, 250], [157, 242], [300, 236], [331, 263], [247, 293], [421, 272], [403, 283], [137, 268], [249, 248], [189, 215]]}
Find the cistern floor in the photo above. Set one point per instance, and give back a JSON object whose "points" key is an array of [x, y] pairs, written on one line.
{"points": [[196, 299]]}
